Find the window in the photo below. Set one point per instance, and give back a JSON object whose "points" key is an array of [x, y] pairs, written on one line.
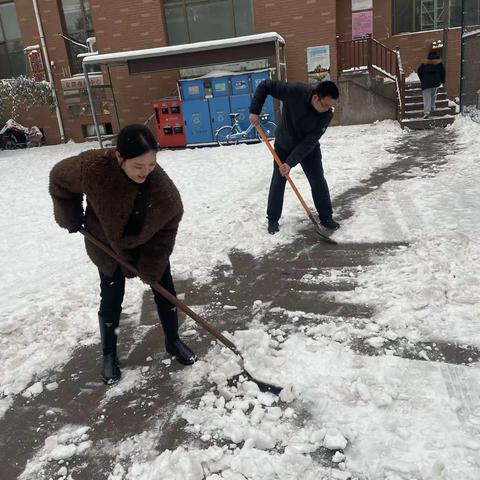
{"points": [[78, 26], [423, 15], [471, 10], [12, 58], [191, 21], [90, 131]]}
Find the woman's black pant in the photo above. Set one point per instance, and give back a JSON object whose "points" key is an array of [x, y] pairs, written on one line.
{"points": [[112, 290], [313, 168]]}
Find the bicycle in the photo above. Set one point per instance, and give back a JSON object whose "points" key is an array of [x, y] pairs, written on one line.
{"points": [[232, 135]]}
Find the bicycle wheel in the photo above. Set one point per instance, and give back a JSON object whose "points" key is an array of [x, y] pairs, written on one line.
{"points": [[224, 136], [269, 128]]}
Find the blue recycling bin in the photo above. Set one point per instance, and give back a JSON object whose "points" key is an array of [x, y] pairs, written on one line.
{"points": [[240, 84], [257, 78], [220, 87], [192, 89], [268, 105], [219, 113], [196, 115], [241, 104]]}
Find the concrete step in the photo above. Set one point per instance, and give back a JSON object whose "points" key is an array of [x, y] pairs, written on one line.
{"points": [[409, 85], [419, 105], [438, 112], [419, 98], [428, 123]]}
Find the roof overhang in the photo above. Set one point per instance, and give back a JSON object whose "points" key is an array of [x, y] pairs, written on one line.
{"points": [[147, 56]]}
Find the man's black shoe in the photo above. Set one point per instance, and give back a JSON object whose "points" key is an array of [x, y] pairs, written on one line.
{"points": [[181, 352], [273, 227], [330, 224]]}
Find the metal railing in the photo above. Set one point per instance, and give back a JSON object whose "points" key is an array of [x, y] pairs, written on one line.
{"points": [[368, 54]]}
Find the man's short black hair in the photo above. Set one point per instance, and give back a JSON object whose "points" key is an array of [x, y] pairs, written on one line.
{"points": [[327, 89]]}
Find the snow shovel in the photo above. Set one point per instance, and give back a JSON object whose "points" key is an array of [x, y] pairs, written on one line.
{"points": [[318, 227], [264, 387]]}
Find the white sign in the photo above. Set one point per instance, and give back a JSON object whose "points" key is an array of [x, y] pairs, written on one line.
{"points": [[75, 83], [361, 5]]}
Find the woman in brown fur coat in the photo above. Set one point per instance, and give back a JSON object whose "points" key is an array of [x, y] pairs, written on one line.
{"points": [[134, 207]]}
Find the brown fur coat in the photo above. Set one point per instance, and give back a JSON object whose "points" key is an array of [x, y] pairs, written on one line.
{"points": [[110, 196]]}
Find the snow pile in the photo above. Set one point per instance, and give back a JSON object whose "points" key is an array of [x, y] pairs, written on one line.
{"points": [[70, 441], [428, 291]]}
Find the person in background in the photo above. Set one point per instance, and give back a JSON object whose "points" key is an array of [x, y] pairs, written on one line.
{"points": [[134, 208], [431, 75], [307, 112]]}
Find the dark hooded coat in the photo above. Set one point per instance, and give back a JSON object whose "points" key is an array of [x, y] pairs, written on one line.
{"points": [[431, 73], [112, 203]]}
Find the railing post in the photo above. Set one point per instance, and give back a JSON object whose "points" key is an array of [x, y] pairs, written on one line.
{"points": [[339, 55], [369, 53], [401, 82]]}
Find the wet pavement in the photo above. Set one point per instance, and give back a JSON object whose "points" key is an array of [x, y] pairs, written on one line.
{"points": [[279, 280]]}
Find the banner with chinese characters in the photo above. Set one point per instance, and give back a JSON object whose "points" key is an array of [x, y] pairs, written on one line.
{"points": [[35, 62], [318, 64]]}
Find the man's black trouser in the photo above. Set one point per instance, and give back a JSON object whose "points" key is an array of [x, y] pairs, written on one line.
{"points": [[312, 166], [112, 290]]}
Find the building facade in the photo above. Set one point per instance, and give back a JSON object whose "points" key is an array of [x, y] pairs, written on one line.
{"points": [[122, 25]]}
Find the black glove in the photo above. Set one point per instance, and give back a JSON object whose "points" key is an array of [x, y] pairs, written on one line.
{"points": [[75, 228]]}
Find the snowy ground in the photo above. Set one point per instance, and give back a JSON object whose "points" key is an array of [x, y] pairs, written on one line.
{"points": [[388, 418]]}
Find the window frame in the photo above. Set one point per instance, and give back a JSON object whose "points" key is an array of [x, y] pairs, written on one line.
{"points": [[72, 58], [417, 22], [185, 3], [5, 42]]}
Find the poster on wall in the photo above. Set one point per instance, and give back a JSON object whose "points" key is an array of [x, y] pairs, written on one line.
{"points": [[318, 64], [362, 24], [361, 5]]}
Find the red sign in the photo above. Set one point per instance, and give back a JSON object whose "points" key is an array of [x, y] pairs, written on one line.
{"points": [[36, 65]]}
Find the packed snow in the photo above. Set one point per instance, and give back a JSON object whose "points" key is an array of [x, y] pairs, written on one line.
{"points": [[341, 414]]}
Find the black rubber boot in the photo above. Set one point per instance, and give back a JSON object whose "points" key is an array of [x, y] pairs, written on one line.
{"points": [[173, 345], [273, 227], [330, 224], [110, 371]]}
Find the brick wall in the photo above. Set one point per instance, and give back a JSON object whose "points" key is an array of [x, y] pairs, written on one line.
{"points": [[122, 25], [41, 116], [303, 23], [472, 70]]}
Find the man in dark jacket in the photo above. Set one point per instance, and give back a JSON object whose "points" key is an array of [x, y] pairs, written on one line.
{"points": [[306, 114], [431, 75]]}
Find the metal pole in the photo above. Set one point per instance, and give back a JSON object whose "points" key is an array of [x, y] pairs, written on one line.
{"points": [[277, 60], [462, 56], [446, 27], [113, 98], [92, 106], [49, 70]]}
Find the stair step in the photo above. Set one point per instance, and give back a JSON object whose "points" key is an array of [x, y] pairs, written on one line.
{"points": [[419, 105], [422, 123], [438, 112], [419, 98]]}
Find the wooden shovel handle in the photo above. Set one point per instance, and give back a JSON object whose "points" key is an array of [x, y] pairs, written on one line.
{"points": [[279, 163], [165, 293]]}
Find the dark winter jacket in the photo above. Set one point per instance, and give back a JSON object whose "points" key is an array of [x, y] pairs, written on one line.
{"points": [[301, 125], [112, 200], [431, 74]]}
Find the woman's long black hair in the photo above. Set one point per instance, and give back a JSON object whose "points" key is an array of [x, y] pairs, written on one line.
{"points": [[135, 140]]}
